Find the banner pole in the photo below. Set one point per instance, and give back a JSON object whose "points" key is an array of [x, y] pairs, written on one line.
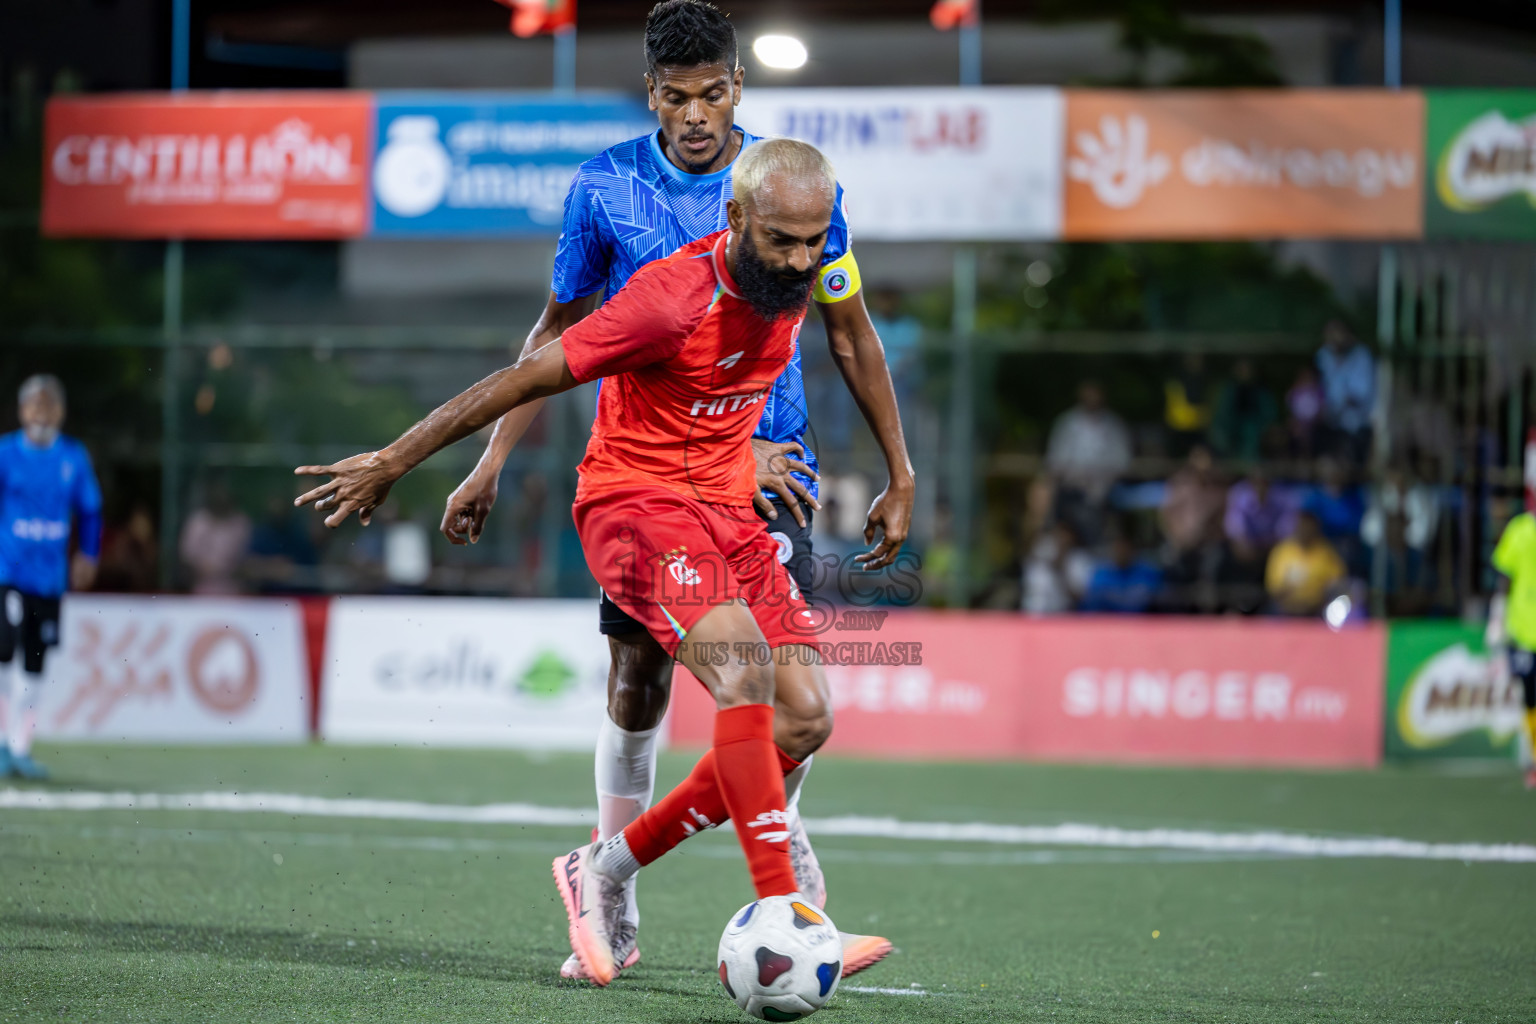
{"points": [[1386, 321], [170, 412], [565, 59]]}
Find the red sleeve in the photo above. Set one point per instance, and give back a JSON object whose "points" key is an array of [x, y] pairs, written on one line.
{"points": [[647, 322]]}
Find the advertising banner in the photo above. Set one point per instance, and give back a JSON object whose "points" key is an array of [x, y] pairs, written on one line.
{"points": [[1179, 691], [926, 163], [1446, 697], [1291, 163], [211, 165], [176, 669], [462, 164], [464, 671], [1480, 164]]}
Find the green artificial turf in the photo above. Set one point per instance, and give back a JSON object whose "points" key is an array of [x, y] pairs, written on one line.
{"points": [[212, 916]]}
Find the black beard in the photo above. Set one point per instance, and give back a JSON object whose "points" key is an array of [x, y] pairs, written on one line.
{"points": [[772, 294]]}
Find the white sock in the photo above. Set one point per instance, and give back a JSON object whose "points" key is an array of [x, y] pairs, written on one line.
{"points": [[625, 767], [20, 720], [615, 859], [6, 668], [792, 784]]}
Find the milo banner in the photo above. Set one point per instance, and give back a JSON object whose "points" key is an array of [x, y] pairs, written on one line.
{"points": [[1446, 696], [1480, 164]]}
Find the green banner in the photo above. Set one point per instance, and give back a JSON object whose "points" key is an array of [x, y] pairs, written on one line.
{"points": [[1445, 696], [1480, 164]]}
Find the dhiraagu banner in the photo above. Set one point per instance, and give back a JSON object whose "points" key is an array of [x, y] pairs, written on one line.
{"points": [[1480, 164], [1446, 696]]}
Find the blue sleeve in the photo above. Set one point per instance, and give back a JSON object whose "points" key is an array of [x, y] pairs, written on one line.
{"points": [[583, 255], [839, 238], [87, 505]]}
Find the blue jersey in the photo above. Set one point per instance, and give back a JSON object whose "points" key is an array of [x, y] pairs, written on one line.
{"points": [[630, 205], [43, 491]]}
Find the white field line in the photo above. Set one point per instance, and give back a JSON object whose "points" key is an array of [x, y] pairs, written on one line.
{"points": [[1286, 844]]}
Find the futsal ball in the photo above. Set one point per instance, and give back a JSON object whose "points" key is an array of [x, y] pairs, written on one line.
{"points": [[780, 958]]}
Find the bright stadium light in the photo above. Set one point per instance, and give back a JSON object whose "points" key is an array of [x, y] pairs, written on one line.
{"points": [[786, 53]]}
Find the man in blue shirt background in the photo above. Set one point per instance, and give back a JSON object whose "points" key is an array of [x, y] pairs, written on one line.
{"points": [[47, 489], [636, 202]]}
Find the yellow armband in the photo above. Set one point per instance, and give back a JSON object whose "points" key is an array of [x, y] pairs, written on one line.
{"points": [[838, 280]]}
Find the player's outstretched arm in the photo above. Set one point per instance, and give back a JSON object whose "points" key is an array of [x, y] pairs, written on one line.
{"points": [[470, 503], [861, 359], [360, 484]]}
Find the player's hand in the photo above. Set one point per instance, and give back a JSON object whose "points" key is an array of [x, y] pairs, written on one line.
{"points": [[891, 517], [468, 505], [359, 484], [82, 572], [774, 473]]}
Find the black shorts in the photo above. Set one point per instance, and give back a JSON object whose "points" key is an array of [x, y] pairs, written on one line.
{"points": [[29, 622], [794, 543], [1522, 667]]}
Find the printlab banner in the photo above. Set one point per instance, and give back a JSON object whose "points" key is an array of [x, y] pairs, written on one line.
{"points": [[208, 165], [464, 671], [468, 164], [925, 163], [1480, 166], [1446, 696], [1244, 164], [177, 669], [1177, 691]]}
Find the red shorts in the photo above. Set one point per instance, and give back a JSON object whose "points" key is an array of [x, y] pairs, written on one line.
{"points": [[667, 559]]}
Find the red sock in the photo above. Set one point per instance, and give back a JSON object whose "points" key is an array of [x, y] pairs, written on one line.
{"points": [[695, 803], [752, 782]]}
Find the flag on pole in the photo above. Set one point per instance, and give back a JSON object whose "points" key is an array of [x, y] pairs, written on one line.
{"points": [[948, 14], [533, 17]]}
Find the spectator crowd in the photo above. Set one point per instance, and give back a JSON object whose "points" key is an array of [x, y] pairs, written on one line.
{"points": [[1224, 532]]}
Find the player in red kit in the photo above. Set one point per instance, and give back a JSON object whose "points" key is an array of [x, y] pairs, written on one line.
{"points": [[688, 349]]}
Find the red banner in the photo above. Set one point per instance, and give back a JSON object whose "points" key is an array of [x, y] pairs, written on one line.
{"points": [[218, 165], [1153, 690]]}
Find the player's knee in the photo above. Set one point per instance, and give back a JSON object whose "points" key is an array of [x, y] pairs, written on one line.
{"points": [[744, 683], [801, 732], [639, 682]]}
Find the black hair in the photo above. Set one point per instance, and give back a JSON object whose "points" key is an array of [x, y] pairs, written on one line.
{"points": [[687, 33]]}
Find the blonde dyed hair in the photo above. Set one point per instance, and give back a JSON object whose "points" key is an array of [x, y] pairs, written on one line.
{"points": [[798, 161]]}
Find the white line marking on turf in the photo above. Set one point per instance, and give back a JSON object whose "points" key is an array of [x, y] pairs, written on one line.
{"points": [[1069, 834], [883, 991]]}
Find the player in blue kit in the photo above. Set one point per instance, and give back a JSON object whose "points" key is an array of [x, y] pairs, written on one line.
{"points": [[47, 488], [637, 202]]}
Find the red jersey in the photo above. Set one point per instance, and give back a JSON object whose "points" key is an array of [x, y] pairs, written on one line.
{"points": [[688, 365]]}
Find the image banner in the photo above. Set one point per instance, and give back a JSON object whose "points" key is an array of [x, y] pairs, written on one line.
{"points": [[1446, 695], [1294, 163], [207, 165], [1480, 164], [468, 164], [177, 669], [464, 672], [1172, 691], [930, 163]]}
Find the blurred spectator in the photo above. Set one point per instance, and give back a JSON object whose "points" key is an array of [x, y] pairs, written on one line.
{"points": [[130, 555], [1187, 404], [214, 542], [1088, 451], [1304, 413], [1338, 506], [1056, 572], [1125, 584], [1192, 504], [1413, 502], [1190, 517], [283, 552], [1245, 411], [1258, 514], [1349, 392], [901, 334], [1304, 570]]}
